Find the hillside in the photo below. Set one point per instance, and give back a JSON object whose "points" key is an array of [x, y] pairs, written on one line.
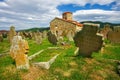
{"points": [[35, 29], [101, 23]]}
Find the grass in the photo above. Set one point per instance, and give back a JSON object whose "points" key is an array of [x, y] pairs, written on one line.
{"points": [[33, 47], [66, 66], [4, 46], [47, 54]]}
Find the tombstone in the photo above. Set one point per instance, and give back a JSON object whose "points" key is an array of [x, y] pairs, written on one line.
{"points": [[52, 38], [21, 34], [1, 38], [88, 41], [105, 31], [12, 33], [70, 35], [18, 51], [30, 35], [38, 38], [25, 34], [114, 36], [44, 34]]}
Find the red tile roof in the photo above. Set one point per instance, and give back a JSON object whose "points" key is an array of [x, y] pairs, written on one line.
{"points": [[3, 31], [71, 21], [67, 12]]}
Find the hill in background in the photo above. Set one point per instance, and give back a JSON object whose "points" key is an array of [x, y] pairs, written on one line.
{"points": [[101, 23]]}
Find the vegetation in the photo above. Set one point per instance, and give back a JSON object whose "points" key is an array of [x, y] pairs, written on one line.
{"points": [[35, 29], [66, 67], [101, 23]]}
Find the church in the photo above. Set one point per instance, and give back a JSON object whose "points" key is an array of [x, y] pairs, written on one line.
{"points": [[65, 25]]}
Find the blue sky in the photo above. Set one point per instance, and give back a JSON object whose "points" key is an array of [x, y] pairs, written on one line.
{"points": [[25, 14]]}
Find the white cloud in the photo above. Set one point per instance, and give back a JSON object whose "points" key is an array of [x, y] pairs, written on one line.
{"points": [[97, 14], [37, 13]]}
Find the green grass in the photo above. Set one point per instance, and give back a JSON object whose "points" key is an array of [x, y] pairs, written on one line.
{"points": [[4, 46], [33, 47], [66, 66], [111, 51], [47, 54]]}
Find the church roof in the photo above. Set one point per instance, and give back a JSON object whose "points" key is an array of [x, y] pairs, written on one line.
{"points": [[71, 21]]}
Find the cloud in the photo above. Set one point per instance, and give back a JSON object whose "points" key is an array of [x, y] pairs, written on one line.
{"points": [[117, 6], [38, 13], [97, 14]]}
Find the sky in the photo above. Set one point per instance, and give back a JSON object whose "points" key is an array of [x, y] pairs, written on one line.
{"points": [[24, 14]]}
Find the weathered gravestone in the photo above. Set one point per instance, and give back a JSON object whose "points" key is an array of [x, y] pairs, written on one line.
{"points": [[105, 31], [18, 52], [21, 34], [38, 37], [70, 35], [88, 41], [52, 38], [12, 33], [44, 34], [1, 38], [114, 36]]}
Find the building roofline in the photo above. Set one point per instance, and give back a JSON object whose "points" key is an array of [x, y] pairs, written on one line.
{"points": [[71, 21]]}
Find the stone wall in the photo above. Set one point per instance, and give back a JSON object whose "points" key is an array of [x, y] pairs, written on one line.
{"points": [[61, 28]]}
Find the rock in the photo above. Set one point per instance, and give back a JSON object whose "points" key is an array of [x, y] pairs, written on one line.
{"points": [[18, 52]]}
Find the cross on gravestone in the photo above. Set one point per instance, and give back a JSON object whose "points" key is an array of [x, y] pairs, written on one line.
{"points": [[88, 41], [52, 38], [18, 51]]}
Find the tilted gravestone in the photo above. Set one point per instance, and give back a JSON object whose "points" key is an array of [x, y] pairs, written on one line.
{"points": [[18, 51], [12, 33], [88, 41], [52, 38]]}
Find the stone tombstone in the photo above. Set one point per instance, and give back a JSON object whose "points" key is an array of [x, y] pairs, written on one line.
{"points": [[52, 38], [38, 37], [1, 38], [12, 33], [114, 36], [33, 35], [105, 30], [18, 51], [70, 35], [44, 34], [21, 34], [30, 35], [88, 41], [25, 34]]}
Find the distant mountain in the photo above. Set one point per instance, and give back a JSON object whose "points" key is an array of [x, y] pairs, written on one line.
{"points": [[35, 29], [101, 23]]}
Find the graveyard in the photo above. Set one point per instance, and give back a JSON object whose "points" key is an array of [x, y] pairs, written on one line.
{"points": [[52, 59]]}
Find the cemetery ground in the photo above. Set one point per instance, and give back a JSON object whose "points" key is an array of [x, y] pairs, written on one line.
{"points": [[102, 66]]}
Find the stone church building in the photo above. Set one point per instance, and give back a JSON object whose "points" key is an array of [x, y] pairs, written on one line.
{"points": [[65, 26]]}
